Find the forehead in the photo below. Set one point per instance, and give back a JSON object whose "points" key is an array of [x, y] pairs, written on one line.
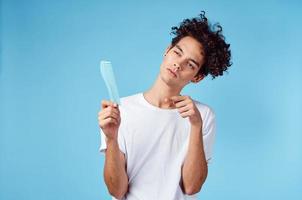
{"points": [[192, 48]]}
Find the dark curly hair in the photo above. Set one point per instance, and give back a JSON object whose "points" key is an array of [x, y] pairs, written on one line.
{"points": [[217, 51]]}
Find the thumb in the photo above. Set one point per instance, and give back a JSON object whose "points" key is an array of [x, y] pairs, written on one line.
{"points": [[168, 99]]}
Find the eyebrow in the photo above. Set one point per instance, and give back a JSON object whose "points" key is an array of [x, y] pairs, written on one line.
{"points": [[178, 47]]}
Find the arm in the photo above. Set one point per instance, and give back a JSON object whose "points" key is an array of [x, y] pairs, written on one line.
{"points": [[195, 169], [115, 174], [115, 165]]}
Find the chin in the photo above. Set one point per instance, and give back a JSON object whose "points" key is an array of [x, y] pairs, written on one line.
{"points": [[168, 81]]}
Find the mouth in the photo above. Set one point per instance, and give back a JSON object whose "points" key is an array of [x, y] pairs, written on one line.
{"points": [[170, 71]]}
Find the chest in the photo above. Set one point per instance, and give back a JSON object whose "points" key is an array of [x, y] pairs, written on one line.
{"points": [[151, 134]]}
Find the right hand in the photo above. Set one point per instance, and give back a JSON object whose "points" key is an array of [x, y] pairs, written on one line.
{"points": [[109, 119]]}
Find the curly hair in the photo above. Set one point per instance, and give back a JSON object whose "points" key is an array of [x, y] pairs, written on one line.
{"points": [[217, 51]]}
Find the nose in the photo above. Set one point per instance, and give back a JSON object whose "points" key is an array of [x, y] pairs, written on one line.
{"points": [[176, 67]]}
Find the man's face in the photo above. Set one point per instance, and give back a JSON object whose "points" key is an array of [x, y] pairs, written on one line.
{"points": [[182, 62]]}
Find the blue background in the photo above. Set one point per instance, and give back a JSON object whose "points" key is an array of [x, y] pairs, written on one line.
{"points": [[51, 89]]}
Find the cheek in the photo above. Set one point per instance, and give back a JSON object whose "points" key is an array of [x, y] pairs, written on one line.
{"points": [[188, 75], [166, 62], [169, 58]]}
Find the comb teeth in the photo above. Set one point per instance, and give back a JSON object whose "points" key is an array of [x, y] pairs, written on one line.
{"points": [[108, 76]]}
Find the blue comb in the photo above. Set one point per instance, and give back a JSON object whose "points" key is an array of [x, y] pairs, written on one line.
{"points": [[108, 76]]}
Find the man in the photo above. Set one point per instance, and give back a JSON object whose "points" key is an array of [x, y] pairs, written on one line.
{"points": [[157, 144]]}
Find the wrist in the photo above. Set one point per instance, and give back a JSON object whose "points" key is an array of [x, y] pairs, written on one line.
{"points": [[196, 126], [110, 141]]}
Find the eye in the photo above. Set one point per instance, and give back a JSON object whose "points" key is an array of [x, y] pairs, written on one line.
{"points": [[177, 52], [191, 66]]}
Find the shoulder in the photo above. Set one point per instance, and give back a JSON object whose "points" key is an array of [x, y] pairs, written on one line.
{"points": [[204, 108], [208, 118], [130, 102], [129, 99]]}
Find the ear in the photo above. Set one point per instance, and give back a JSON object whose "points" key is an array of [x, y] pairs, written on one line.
{"points": [[197, 78]]}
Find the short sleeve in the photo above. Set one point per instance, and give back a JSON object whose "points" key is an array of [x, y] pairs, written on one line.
{"points": [[209, 133], [121, 141]]}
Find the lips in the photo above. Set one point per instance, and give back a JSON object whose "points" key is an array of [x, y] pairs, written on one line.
{"points": [[172, 72]]}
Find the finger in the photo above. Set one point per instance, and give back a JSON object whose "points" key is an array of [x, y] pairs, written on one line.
{"points": [[184, 109], [107, 110], [167, 100], [114, 115], [109, 114], [112, 109], [109, 120], [106, 103], [170, 101], [176, 99], [183, 103], [186, 114]]}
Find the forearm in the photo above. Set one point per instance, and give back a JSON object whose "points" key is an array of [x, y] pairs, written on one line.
{"points": [[114, 170], [195, 169]]}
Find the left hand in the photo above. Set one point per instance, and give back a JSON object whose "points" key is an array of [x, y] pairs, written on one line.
{"points": [[187, 108]]}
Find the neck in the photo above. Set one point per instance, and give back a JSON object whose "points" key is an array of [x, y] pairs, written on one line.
{"points": [[159, 91]]}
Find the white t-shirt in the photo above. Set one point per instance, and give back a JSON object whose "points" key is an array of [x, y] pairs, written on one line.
{"points": [[155, 142]]}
